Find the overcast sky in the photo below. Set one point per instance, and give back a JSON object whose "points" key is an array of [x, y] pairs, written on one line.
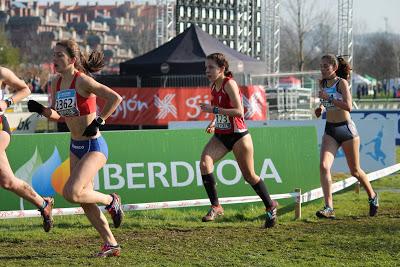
{"points": [[369, 15]]}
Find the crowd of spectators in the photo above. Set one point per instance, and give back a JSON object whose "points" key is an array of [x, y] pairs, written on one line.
{"points": [[378, 90]]}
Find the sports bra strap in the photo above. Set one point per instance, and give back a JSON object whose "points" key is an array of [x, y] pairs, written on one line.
{"points": [[325, 82], [213, 86], [337, 82], [58, 84], [225, 81], [74, 80], [58, 87]]}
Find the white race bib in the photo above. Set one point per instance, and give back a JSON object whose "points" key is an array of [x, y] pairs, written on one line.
{"points": [[222, 122], [332, 92], [66, 104]]}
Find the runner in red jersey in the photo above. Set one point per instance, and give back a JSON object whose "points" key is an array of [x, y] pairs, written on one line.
{"points": [[225, 124], [230, 134], [74, 99]]}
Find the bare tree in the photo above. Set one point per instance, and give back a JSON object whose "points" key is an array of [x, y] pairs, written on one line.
{"points": [[323, 41], [305, 33], [377, 55]]}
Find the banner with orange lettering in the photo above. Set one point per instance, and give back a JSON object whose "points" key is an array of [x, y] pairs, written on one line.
{"points": [[158, 106]]}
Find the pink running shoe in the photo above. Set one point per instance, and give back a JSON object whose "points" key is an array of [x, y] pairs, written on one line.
{"points": [[108, 250], [115, 210]]}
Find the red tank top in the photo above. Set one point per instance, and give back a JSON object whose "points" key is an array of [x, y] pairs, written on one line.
{"points": [[70, 103], [226, 124]]}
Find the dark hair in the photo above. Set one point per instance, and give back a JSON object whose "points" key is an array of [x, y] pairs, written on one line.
{"points": [[221, 61], [84, 63], [343, 70]]}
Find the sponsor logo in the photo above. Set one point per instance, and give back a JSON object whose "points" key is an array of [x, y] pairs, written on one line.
{"points": [[253, 105], [142, 175], [193, 103], [77, 147], [165, 106], [129, 105]]}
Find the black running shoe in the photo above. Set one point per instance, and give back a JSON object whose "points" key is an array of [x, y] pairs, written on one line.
{"points": [[271, 216], [373, 205]]}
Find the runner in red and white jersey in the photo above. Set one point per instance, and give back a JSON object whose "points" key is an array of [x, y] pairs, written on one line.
{"points": [[226, 124], [230, 134]]}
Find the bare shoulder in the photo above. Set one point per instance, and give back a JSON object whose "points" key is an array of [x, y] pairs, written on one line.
{"points": [[343, 82], [84, 80], [5, 73], [231, 84]]}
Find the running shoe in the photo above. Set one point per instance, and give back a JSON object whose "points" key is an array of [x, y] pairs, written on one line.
{"points": [[271, 215], [46, 213], [213, 213], [115, 210], [326, 212], [108, 250], [373, 205]]}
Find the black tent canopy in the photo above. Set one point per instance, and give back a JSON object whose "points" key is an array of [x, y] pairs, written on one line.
{"points": [[185, 55]]}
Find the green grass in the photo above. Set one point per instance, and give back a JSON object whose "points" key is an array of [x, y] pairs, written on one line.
{"points": [[177, 237]]}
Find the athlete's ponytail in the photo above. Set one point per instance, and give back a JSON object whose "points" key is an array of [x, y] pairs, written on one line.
{"points": [[92, 63], [221, 61], [343, 67], [87, 64]]}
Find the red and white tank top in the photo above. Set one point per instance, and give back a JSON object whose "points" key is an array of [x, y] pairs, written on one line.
{"points": [[70, 103], [226, 124]]}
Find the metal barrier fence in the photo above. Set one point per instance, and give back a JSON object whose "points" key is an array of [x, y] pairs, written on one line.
{"points": [[289, 104], [298, 196]]}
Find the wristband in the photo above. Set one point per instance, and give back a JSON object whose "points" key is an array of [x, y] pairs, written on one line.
{"points": [[215, 110], [100, 121]]}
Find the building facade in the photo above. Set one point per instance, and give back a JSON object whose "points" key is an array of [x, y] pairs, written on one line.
{"points": [[236, 23]]}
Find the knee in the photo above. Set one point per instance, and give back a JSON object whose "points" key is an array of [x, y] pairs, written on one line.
{"points": [[324, 168], [206, 164], [250, 177], [356, 172], [7, 184], [70, 195]]}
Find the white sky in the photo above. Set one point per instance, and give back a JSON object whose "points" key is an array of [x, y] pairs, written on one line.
{"points": [[369, 15]]}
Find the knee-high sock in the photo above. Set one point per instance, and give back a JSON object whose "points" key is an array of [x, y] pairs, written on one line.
{"points": [[262, 191], [210, 186]]}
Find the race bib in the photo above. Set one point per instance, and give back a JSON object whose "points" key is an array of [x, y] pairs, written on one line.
{"points": [[66, 104], [222, 122], [331, 93]]}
